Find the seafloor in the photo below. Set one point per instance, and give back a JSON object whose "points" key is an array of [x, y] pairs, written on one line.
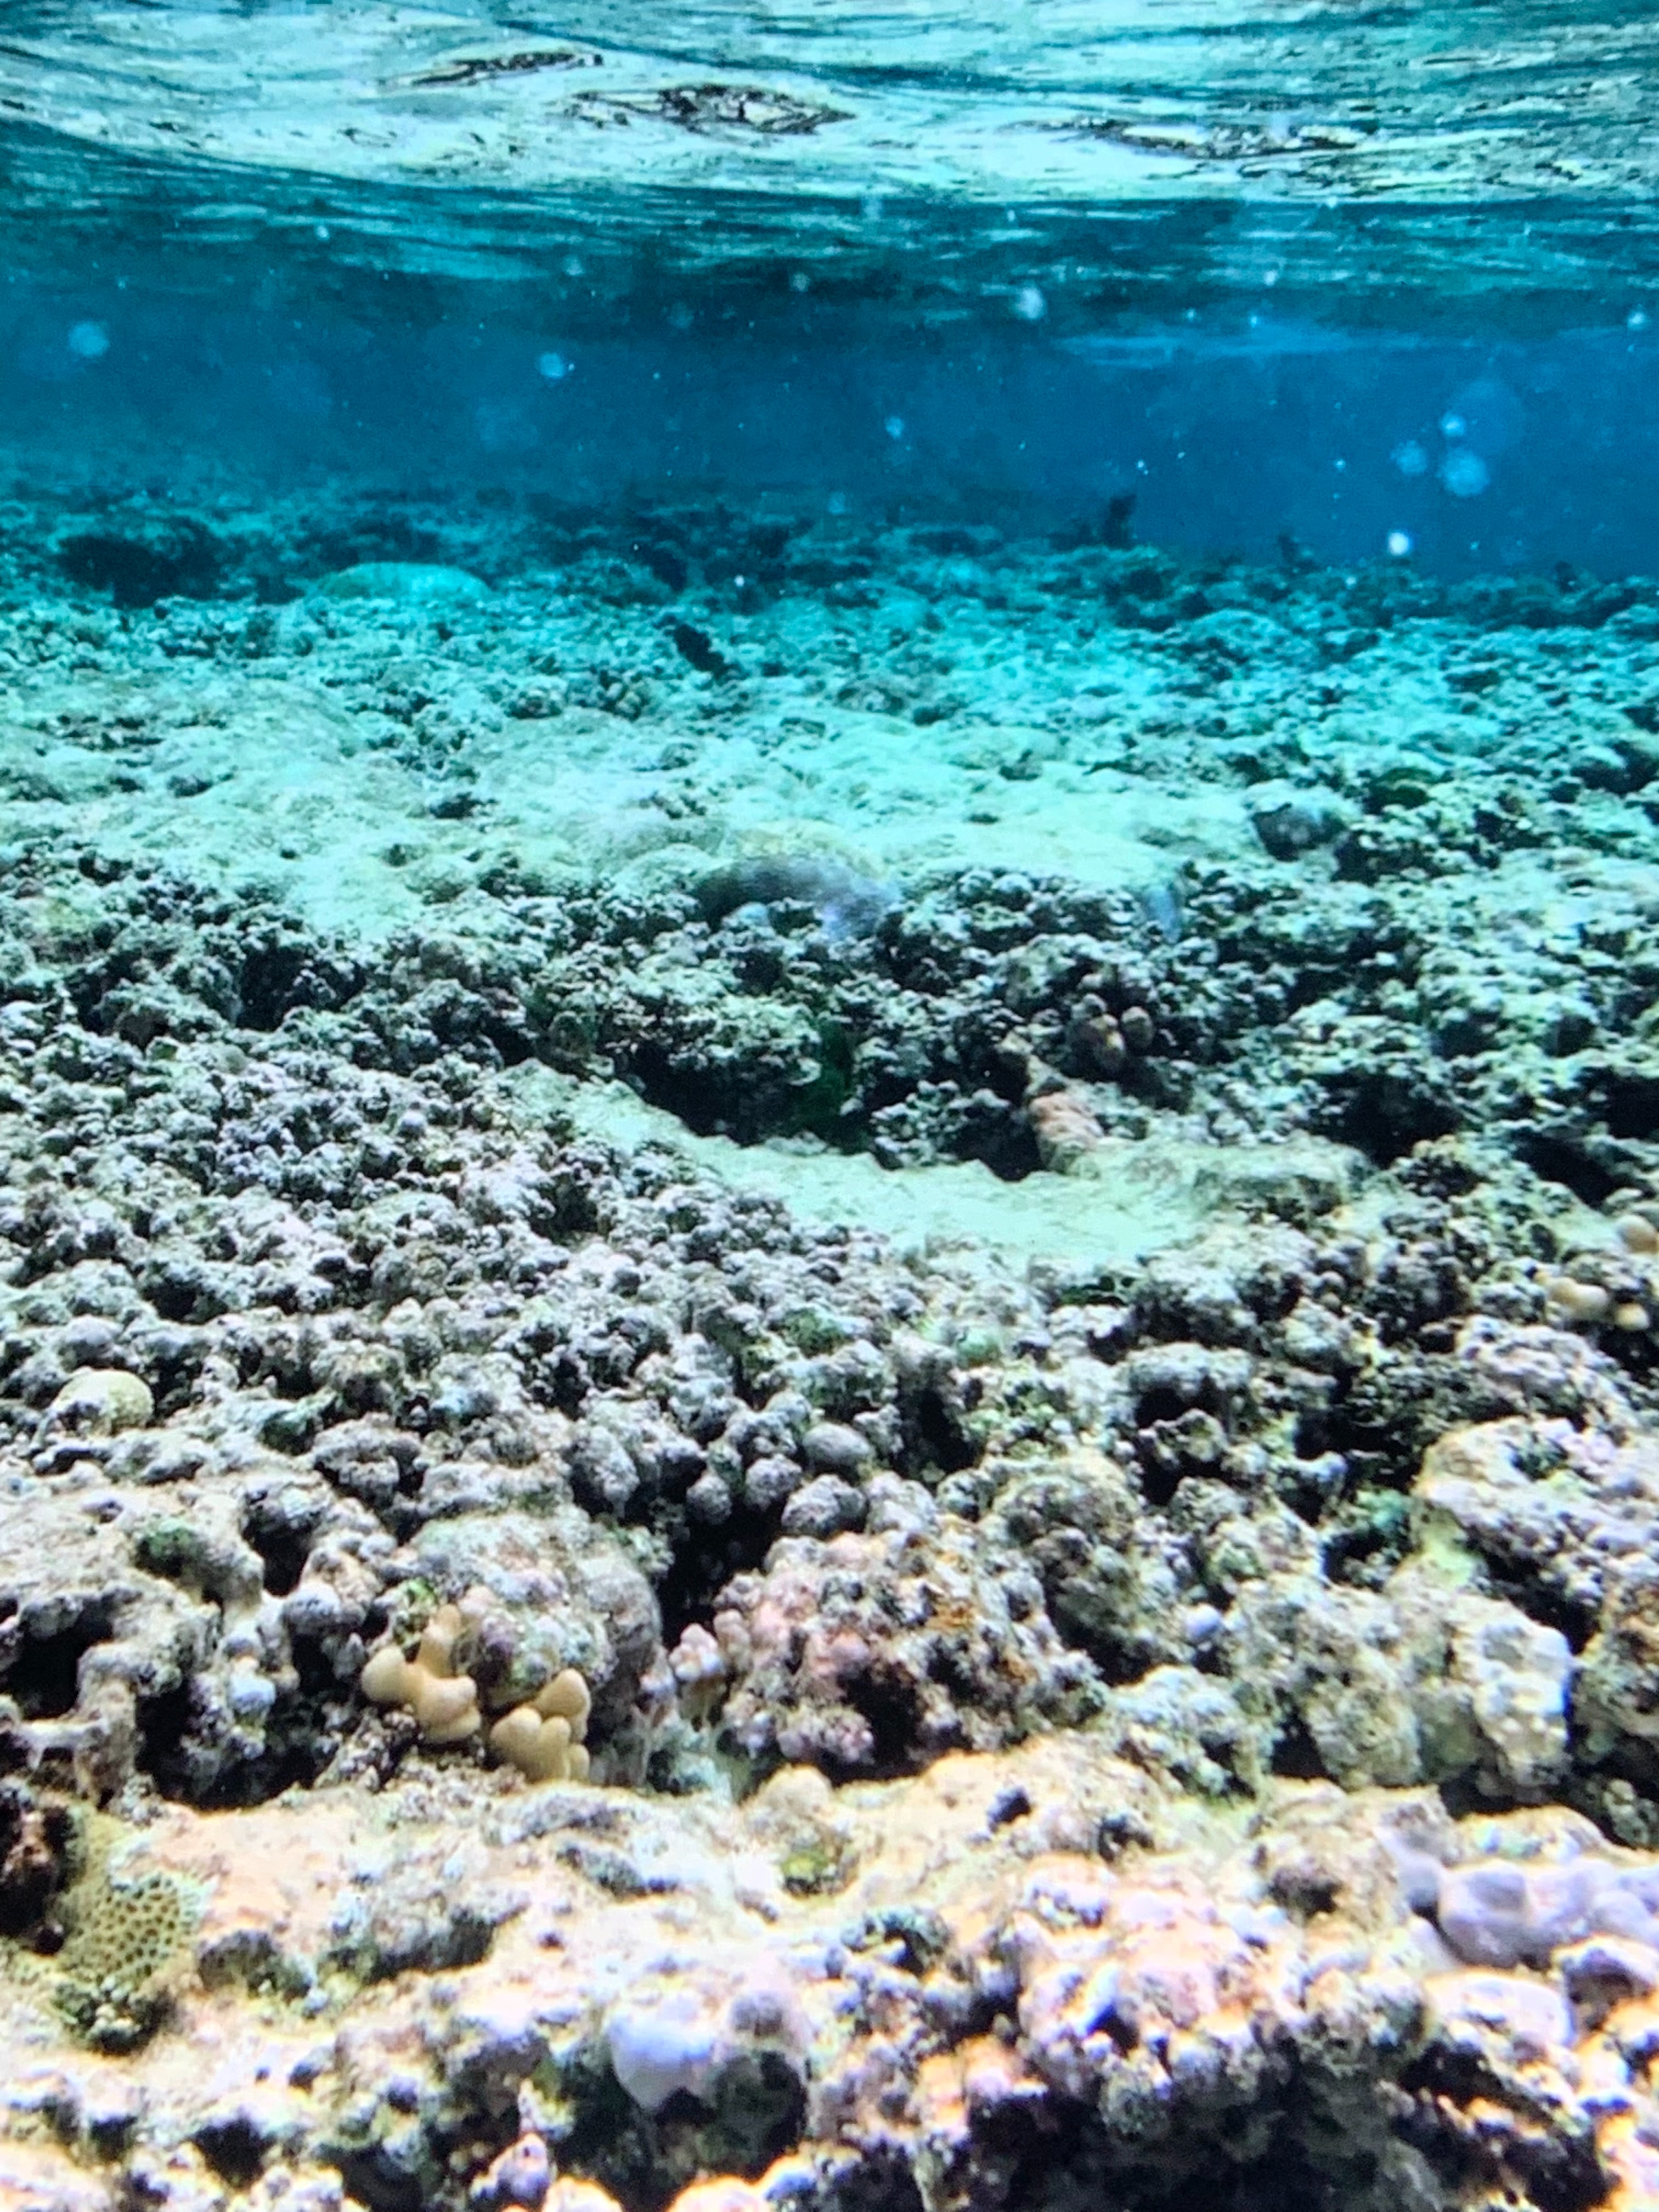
{"points": [[1007, 1186]]}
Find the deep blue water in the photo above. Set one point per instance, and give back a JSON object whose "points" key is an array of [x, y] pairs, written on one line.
{"points": [[1230, 424]]}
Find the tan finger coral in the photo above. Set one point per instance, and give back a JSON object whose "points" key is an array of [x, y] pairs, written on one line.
{"points": [[444, 1702], [1588, 1304], [543, 1739], [542, 1736]]}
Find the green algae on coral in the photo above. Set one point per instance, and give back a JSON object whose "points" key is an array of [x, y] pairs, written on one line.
{"points": [[818, 1866]]}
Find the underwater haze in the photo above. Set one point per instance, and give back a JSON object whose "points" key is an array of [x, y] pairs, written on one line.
{"points": [[828, 1106], [1226, 427]]}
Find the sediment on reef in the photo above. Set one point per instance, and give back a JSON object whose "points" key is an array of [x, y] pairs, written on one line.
{"points": [[1165, 1691]]}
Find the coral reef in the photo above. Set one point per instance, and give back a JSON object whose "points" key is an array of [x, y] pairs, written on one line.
{"points": [[839, 1521], [1354, 1989]]}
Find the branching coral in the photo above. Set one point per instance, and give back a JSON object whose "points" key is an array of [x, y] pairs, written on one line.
{"points": [[541, 1735], [444, 1702], [543, 1739]]}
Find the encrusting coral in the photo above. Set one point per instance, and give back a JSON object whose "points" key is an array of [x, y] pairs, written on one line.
{"points": [[541, 1735], [128, 1930]]}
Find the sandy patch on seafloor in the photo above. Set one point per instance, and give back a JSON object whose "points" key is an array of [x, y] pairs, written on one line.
{"points": [[268, 778], [1139, 1196]]}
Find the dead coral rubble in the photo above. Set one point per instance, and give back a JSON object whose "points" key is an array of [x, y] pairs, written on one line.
{"points": [[391, 1342]]}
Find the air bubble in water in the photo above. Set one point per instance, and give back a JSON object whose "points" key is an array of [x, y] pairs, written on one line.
{"points": [[1636, 319], [1452, 426], [88, 341], [1464, 474], [1399, 543], [1029, 305], [1490, 417], [554, 366], [1409, 457], [895, 425]]}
